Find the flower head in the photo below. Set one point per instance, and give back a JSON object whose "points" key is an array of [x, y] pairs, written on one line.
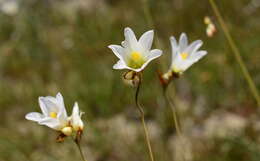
{"points": [[184, 55], [135, 54], [53, 114]]}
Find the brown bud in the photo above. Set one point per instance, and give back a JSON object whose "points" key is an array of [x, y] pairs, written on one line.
{"points": [[132, 78]]}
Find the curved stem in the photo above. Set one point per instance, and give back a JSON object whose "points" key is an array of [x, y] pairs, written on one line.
{"points": [[236, 52], [147, 139], [80, 150]]}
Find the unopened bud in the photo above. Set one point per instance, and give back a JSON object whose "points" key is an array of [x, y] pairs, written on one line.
{"points": [[67, 130], [132, 78]]}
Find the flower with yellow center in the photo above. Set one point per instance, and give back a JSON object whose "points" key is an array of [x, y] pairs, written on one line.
{"points": [[184, 55], [135, 54], [53, 114]]}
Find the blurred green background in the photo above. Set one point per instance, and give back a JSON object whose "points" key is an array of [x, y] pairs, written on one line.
{"points": [[50, 46]]}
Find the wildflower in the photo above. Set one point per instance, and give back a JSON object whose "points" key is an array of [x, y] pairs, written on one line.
{"points": [[53, 114], [135, 54], [184, 55]]}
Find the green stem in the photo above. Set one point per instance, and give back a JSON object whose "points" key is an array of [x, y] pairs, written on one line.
{"points": [[174, 112], [175, 118], [80, 150], [147, 139], [236, 52]]}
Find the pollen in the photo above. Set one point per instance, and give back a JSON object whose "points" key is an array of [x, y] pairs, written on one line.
{"points": [[184, 55], [136, 56], [53, 114]]}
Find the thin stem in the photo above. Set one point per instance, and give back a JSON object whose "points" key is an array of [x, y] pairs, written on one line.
{"points": [[80, 150], [174, 112], [175, 118], [236, 52], [147, 139]]}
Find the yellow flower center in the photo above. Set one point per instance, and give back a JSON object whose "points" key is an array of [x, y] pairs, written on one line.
{"points": [[136, 60], [136, 56], [53, 115], [184, 55]]}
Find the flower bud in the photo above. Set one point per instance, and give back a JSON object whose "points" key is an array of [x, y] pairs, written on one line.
{"points": [[67, 130], [132, 78]]}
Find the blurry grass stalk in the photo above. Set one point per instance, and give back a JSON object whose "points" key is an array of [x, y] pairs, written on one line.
{"points": [[80, 150], [236, 52], [147, 139]]}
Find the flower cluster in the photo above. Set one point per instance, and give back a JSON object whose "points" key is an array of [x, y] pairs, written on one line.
{"points": [[54, 115], [135, 55]]}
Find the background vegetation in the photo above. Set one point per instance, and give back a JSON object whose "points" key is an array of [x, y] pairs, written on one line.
{"points": [[50, 46]]}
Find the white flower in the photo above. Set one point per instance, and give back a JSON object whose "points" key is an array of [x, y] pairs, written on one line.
{"points": [[53, 114], [184, 55], [75, 119], [135, 55]]}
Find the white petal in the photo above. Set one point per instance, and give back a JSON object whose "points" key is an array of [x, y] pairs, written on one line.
{"points": [[198, 55], [174, 46], [117, 50], [183, 42], [43, 106], [62, 113], [193, 47], [185, 65], [77, 123], [130, 38], [155, 53], [146, 40], [120, 65], [34, 116], [51, 123], [51, 104], [62, 106], [75, 111]]}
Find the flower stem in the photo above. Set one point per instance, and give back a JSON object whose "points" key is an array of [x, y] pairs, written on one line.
{"points": [[236, 52], [80, 150], [147, 139], [174, 112], [175, 118]]}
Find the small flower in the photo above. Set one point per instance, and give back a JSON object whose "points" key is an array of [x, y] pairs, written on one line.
{"points": [[184, 55], [53, 114], [135, 54], [75, 119]]}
